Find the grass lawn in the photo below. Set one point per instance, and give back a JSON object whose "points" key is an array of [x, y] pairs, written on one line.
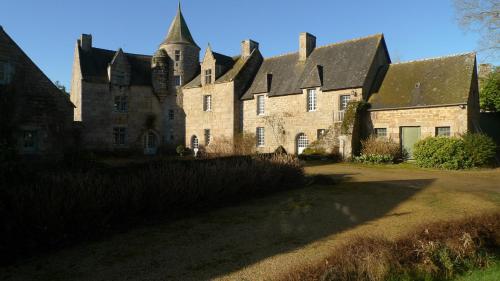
{"points": [[263, 238]]}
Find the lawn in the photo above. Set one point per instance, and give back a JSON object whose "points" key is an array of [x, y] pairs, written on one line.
{"points": [[266, 237], [490, 274]]}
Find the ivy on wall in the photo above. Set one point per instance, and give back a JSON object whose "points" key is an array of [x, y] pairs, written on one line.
{"points": [[352, 111]]}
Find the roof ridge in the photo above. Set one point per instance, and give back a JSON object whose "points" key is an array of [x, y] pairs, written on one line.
{"points": [[351, 40], [436, 58], [328, 45], [126, 53]]}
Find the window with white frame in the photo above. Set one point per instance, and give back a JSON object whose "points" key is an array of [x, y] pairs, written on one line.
{"points": [[177, 80], [380, 132], [311, 100], [177, 55], [443, 131], [344, 101], [207, 136], [260, 105], [260, 136], [119, 135], [208, 76], [121, 103], [171, 114], [207, 103]]}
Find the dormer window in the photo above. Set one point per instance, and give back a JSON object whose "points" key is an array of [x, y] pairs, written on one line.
{"points": [[208, 76], [177, 55]]}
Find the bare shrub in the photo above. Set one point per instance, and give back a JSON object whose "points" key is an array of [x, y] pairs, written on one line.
{"points": [[439, 250], [381, 146], [241, 144]]}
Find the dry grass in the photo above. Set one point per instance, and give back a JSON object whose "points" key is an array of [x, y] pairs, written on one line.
{"points": [[440, 250], [241, 144]]}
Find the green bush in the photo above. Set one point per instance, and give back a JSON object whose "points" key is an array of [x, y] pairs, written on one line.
{"points": [[471, 150], [480, 149], [374, 159]]}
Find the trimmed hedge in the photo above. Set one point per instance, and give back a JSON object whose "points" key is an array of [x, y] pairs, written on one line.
{"points": [[468, 151], [43, 207]]}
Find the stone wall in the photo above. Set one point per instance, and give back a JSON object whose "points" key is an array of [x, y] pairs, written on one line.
{"points": [[220, 120], [427, 119], [291, 111], [99, 117]]}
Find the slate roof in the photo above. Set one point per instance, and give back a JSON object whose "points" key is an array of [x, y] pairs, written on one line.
{"points": [[94, 66], [231, 65], [342, 65], [179, 33], [430, 82]]}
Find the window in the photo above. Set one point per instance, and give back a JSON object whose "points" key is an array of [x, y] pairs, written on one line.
{"points": [[321, 133], [119, 135], [207, 103], [171, 134], [177, 55], [344, 100], [5, 73], [260, 136], [208, 76], [443, 131], [171, 114], [207, 136], [29, 139], [260, 105], [177, 80], [311, 100], [380, 132], [194, 142], [121, 104]]}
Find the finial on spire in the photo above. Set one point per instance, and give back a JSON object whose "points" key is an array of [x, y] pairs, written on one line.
{"points": [[179, 6]]}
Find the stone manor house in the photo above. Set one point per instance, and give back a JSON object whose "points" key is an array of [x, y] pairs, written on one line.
{"points": [[143, 102]]}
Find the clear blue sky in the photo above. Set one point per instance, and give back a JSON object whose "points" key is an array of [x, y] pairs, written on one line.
{"points": [[47, 30]]}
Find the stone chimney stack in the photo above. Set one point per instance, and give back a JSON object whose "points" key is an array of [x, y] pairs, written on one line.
{"points": [[247, 46], [307, 44], [86, 42]]}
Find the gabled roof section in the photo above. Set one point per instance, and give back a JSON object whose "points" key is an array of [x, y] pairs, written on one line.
{"points": [[94, 66], [429, 82], [344, 65], [232, 66], [179, 33]]}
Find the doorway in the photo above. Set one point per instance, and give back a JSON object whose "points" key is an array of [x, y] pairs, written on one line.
{"points": [[150, 143], [302, 143], [409, 136]]}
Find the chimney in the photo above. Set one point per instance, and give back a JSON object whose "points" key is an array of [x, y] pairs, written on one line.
{"points": [[247, 46], [307, 43], [86, 42]]}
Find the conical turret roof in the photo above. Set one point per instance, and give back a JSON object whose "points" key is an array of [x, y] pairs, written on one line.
{"points": [[178, 32]]}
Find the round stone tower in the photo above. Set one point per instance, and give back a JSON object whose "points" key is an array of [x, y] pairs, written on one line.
{"points": [[182, 51], [159, 73]]}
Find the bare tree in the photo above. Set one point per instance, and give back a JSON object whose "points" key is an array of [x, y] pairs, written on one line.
{"points": [[481, 16], [277, 123]]}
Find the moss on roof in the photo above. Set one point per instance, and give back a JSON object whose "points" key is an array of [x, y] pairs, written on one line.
{"points": [[439, 81]]}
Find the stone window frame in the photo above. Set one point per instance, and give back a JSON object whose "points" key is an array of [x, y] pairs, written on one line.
{"points": [[260, 136], [119, 136], [207, 103], [446, 129], [344, 101], [177, 55], [208, 136], [121, 103], [30, 140], [177, 80], [320, 133], [380, 132], [171, 114], [312, 100], [261, 104], [208, 76]]}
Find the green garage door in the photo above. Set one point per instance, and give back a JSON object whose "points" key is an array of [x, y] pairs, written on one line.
{"points": [[409, 136]]}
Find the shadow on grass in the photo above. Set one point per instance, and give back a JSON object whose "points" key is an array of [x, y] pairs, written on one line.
{"points": [[226, 240]]}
